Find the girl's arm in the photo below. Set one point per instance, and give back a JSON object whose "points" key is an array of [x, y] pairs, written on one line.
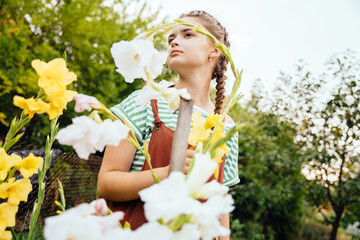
{"points": [[115, 182], [225, 222]]}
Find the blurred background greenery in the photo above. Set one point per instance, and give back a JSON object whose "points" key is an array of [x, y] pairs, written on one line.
{"points": [[298, 154]]}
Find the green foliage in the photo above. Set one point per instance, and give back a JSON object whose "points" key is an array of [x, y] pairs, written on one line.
{"points": [[329, 124], [85, 31], [315, 231], [302, 125], [269, 197]]}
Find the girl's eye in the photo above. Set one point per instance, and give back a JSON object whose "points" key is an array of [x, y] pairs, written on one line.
{"points": [[170, 40], [188, 34]]}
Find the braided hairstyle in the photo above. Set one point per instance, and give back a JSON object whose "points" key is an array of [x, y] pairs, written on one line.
{"points": [[218, 31]]}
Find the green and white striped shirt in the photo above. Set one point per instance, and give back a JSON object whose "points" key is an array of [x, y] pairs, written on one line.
{"points": [[141, 119]]}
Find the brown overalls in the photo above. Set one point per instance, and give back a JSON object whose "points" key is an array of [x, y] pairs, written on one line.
{"points": [[159, 149]]}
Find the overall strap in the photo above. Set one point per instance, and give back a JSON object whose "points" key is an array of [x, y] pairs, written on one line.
{"points": [[155, 111]]}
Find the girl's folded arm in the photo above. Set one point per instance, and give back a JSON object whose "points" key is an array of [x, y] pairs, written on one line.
{"points": [[115, 182]]}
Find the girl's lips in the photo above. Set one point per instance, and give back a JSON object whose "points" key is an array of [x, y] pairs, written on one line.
{"points": [[175, 52]]}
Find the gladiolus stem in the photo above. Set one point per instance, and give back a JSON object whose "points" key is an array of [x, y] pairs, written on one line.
{"points": [[148, 160], [231, 132], [164, 28], [146, 154], [112, 116], [229, 105], [10, 174], [41, 176]]}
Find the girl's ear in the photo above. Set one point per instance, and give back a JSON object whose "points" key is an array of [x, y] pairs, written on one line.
{"points": [[215, 53]]}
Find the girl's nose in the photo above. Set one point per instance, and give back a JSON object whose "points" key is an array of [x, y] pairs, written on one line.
{"points": [[174, 42]]}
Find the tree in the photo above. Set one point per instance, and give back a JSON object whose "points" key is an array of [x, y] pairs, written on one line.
{"points": [[85, 30], [329, 133], [269, 198]]}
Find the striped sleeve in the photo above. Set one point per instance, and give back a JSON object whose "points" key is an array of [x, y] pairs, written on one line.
{"points": [[133, 113], [231, 175]]}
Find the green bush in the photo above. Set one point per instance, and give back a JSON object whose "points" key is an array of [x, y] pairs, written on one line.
{"points": [[269, 197], [85, 30]]}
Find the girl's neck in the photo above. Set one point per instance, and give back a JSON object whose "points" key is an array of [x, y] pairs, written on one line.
{"points": [[198, 87]]}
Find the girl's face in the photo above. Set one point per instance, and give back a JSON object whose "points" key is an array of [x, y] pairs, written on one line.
{"points": [[188, 48]]}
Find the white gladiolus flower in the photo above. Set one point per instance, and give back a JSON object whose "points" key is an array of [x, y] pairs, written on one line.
{"points": [[188, 231], [80, 223], [148, 231], [211, 189], [207, 216], [153, 231], [164, 201], [82, 135], [212, 209], [108, 222], [86, 136], [202, 170], [153, 90], [172, 96], [148, 92], [156, 66], [133, 57], [71, 226], [112, 133], [209, 232], [118, 233]]}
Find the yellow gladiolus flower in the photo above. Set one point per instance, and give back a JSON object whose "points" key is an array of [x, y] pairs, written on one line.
{"points": [[223, 149], [198, 132], [218, 156], [7, 162], [7, 215], [212, 120], [15, 191], [29, 165], [30, 106], [4, 164], [219, 133], [58, 103], [6, 235], [201, 130], [54, 75]]}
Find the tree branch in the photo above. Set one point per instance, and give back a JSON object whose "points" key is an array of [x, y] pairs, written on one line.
{"points": [[343, 156], [333, 203]]}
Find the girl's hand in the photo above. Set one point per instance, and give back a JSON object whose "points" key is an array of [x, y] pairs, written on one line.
{"points": [[189, 155]]}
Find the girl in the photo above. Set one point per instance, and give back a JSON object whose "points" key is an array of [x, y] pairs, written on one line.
{"points": [[197, 61]]}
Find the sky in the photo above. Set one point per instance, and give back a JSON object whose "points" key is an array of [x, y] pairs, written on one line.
{"points": [[272, 36]]}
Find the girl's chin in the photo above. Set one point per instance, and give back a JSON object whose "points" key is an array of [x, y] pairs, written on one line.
{"points": [[175, 64]]}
